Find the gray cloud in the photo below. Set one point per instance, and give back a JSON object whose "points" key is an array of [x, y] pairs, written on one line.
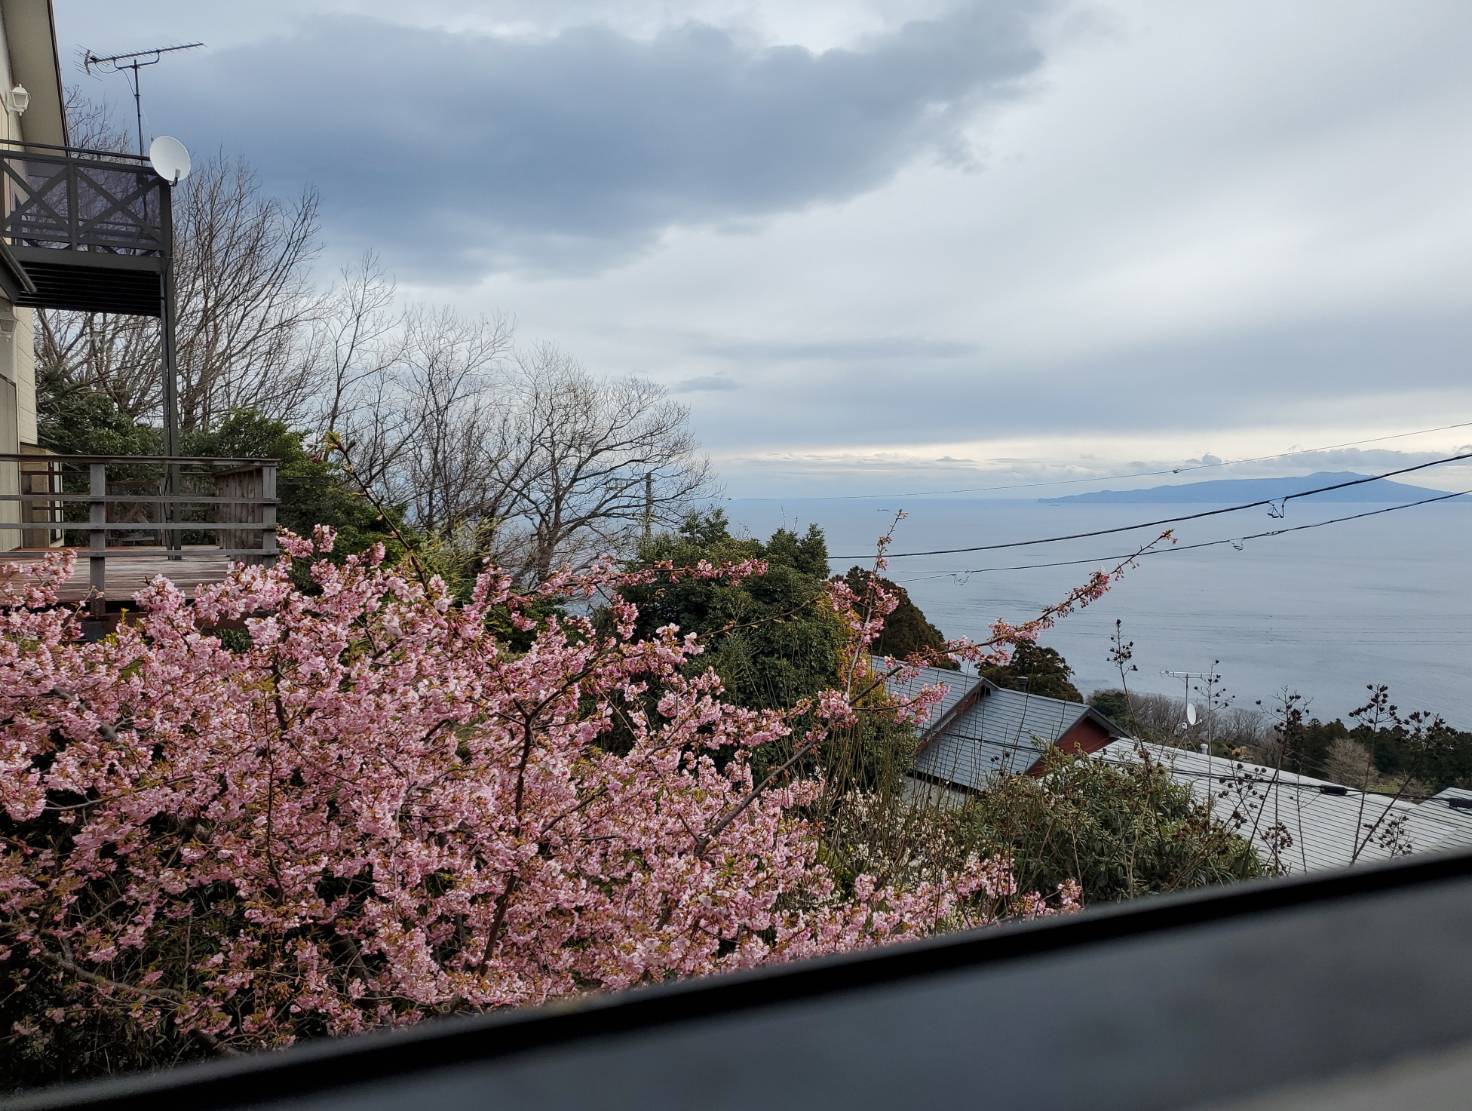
{"points": [[836, 350], [466, 153], [704, 383], [1286, 377]]}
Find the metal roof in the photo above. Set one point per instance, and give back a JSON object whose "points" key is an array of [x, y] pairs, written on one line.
{"points": [[1328, 825], [1003, 731], [1454, 804], [1449, 793], [968, 741], [956, 687]]}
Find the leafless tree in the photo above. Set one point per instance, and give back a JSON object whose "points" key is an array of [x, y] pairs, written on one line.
{"points": [[523, 457], [608, 457], [357, 341], [457, 439], [246, 305]]}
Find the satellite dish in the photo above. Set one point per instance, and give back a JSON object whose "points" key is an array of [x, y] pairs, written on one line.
{"points": [[169, 159], [1190, 713]]}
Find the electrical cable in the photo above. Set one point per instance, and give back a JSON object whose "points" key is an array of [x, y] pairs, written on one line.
{"points": [[1276, 502], [1187, 547]]}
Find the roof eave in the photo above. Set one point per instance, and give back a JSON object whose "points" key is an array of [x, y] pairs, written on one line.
{"points": [[30, 31]]}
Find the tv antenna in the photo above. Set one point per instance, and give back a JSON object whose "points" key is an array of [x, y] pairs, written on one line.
{"points": [[117, 63]]}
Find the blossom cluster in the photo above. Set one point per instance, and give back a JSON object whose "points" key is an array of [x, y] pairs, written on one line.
{"points": [[272, 812]]}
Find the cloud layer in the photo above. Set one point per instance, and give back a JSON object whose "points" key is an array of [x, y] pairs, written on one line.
{"points": [[469, 152], [1235, 227]]}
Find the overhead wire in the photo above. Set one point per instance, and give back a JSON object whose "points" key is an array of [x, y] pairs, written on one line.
{"points": [[1233, 540], [1279, 502]]}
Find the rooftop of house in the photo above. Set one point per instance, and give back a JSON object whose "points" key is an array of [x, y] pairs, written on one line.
{"points": [[979, 730], [1326, 825]]}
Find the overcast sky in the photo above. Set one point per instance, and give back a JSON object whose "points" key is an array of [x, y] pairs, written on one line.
{"points": [[895, 246]]}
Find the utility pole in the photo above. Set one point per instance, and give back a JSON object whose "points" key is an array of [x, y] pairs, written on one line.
{"points": [[1210, 677], [648, 504]]}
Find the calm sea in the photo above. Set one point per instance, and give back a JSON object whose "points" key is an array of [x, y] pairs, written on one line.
{"points": [[1324, 611]]}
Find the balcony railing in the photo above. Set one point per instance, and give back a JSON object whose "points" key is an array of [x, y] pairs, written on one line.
{"points": [[91, 229], [133, 517]]}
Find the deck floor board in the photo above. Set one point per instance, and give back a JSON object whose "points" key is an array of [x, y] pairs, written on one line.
{"points": [[127, 574]]}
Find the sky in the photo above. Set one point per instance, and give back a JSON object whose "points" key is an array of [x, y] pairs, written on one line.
{"points": [[888, 247]]}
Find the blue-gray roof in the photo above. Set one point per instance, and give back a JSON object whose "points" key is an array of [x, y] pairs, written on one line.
{"points": [[979, 729], [957, 687]]}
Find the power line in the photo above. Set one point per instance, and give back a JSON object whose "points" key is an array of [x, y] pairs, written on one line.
{"points": [[1277, 502], [1186, 469], [1189, 547]]}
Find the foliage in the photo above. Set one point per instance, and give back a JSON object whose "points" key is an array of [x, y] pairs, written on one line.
{"points": [[764, 636], [375, 811], [1379, 747], [1121, 830], [1037, 670], [311, 490], [82, 421], [78, 420], [906, 631], [1114, 704], [769, 638]]}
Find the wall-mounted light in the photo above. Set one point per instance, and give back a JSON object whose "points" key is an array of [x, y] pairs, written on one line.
{"points": [[18, 100]]}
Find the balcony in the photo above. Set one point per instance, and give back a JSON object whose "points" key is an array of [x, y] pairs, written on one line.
{"points": [[87, 230], [133, 518]]}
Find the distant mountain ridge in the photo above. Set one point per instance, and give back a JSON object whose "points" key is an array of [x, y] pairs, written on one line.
{"points": [[1258, 489]]}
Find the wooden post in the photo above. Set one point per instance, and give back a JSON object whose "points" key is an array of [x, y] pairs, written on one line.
{"points": [[97, 553], [268, 513]]}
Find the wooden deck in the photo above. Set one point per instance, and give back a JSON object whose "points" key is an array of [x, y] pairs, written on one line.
{"points": [[129, 511], [128, 573]]}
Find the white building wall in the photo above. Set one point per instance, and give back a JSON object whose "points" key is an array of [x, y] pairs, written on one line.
{"points": [[17, 355]]}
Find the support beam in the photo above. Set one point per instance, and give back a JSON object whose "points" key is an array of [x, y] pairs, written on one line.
{"points": [[97, 538]]}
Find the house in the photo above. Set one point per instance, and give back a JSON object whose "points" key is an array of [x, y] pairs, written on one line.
{"points": [[30, 86], [92, 231], [1305, 824], [979, 730]]}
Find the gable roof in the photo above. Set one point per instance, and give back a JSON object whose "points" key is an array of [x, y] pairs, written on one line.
{"points": [[979, 730], [957, 688], [1328, 825]]}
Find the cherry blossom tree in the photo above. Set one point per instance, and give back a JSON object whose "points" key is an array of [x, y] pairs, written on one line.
{"points": [[276, 813]]}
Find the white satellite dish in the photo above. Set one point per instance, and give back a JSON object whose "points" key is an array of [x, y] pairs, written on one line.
{"points": [[1190, 713], [169, 159]]}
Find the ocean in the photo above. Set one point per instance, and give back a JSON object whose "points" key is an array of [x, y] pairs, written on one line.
{"points": [[1323, 612]]}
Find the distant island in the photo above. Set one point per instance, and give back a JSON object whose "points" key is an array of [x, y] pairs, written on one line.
{"points": [[1257, 489]]}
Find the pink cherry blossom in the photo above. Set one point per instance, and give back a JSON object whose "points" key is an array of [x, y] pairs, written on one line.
{"points": [[374, 810]]}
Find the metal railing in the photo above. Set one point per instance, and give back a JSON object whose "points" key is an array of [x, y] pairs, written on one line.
{"points": [[87, 230], [114, 508], [83, 200]]}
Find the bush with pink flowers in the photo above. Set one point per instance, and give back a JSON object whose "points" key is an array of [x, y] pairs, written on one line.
{"points": [[367, 809]]}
